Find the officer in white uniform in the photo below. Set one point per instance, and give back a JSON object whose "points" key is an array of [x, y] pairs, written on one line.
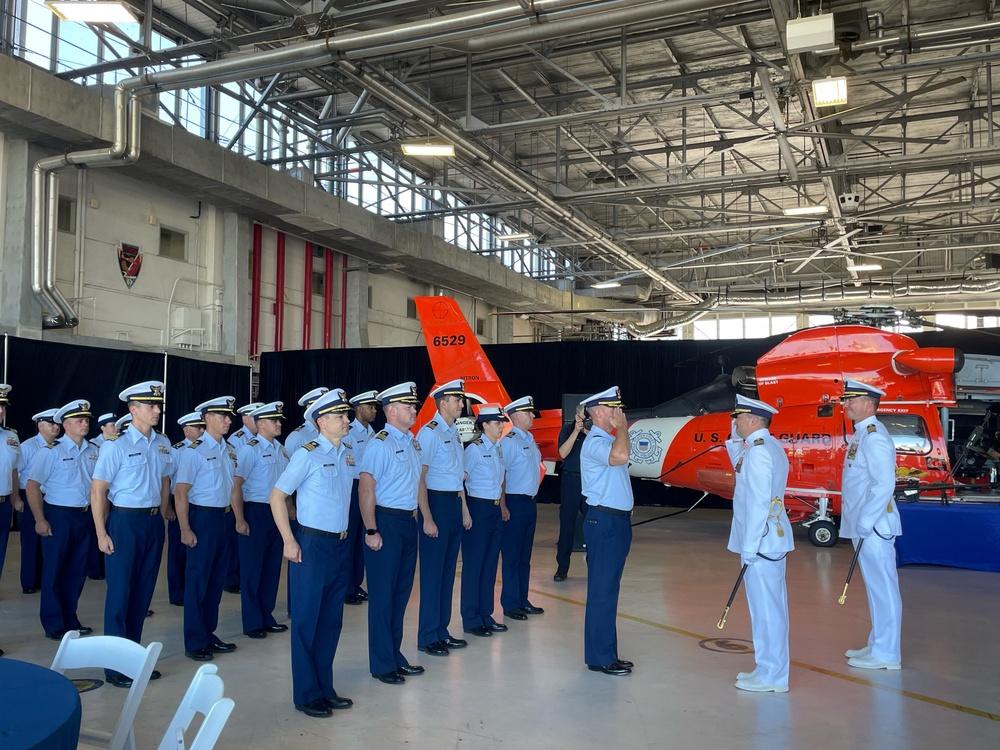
{"points": [[365, 407], [762, 536], [869, 515], [248, 431], [31, 547], [106, 424]]}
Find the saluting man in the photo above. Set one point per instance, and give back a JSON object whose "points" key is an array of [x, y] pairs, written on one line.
{"points": [[10, 462], [443, 514], [762, 536], [106, 424], [31, 547], [365, 407], [132, 471], [204, 487], [63, 471], [259, 463], [869, 515], [390, 477], [193, 427], [481, 543], [522, 464], [248, 431], [607, 528], [318, 552]]}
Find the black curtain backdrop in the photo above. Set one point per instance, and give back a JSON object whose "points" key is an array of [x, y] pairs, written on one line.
{"points": [[192, 381]]}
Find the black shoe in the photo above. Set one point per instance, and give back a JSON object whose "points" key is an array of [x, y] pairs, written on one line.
{"points": [[317, 708], [236, 590], [626, 663], [450, 642], [276, 628], [560, 575], [178, 603], [497, 627], [615, 668], [256, 633], [390, 678], [336, 702], [84, 630], [481, 630], [410, 670], [28, 590], [353, 599], [222, 648], [434, 649], [515, 614], [531, 610], [362, 594], [119, 680], [150, 613], [155, 674], [199, 654], [56, 636]]}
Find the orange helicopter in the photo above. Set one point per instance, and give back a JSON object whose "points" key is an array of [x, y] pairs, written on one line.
{"points": [[681, 443]]}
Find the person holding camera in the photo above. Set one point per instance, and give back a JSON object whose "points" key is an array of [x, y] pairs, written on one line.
{"points": [[572, 505]]}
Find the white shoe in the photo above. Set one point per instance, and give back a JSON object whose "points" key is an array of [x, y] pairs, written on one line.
{"points": [[744, 676], [867, 662], [754, 685], [854, 653]]}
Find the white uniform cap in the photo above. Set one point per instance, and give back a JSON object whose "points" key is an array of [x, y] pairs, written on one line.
{"points": [[220, 405], [746, 405], [150, 391], [368, 397], [854, 388], [194, 419], [270, 410], [123, 422], [314, 394], [526, 403], [106, 418], [451, 388], [78, 408], [611, 397], [404, 393], [45, 416], [330, 402], [491, 414], [247, 410], [4, 391]]}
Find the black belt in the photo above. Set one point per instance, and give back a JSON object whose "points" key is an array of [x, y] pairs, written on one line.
{"points": [[195, 506], [339, 535], [609, 511], [394, 511], [444, 494], [141, 511], [74, 508], [485, 500], [520, 494]]}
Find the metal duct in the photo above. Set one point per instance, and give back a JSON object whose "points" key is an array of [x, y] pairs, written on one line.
{"points": [[915, 40], [641, 331], [850, 290]]}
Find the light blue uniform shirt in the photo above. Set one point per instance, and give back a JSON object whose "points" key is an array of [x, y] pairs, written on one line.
{"points": [[522, 462], [259, 463], [134, 467], [208, 466], [441, 453], [10, 459], [320, 474], [29, 448], [98, 440], [175, 454], [359, 436], [64, 471], [393, 460], [603, 484], [483, 468], [301, 435], [240, 438]]}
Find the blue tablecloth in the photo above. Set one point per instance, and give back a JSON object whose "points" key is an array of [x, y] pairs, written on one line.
{"points": [[39, 708], [958, 535]]}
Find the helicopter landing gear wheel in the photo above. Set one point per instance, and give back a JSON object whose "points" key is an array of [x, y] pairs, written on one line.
{"points": [[823, 534]]}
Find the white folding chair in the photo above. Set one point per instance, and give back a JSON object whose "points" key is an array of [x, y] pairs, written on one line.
{"points": [[121, 655], [204, 696]]}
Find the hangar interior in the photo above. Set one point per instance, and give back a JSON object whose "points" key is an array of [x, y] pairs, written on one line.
{"points": [[226, 178]]}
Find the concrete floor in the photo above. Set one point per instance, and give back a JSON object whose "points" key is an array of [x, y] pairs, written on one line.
{"points": [[529, 687]]}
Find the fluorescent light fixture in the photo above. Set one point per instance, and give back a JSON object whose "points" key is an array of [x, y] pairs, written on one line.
{"points": [[515, 236], [426, 148], [92, 11], [829, 92], [805, 210], [606, 285], [858, 267]]}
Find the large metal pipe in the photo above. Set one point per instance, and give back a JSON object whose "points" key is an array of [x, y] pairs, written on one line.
{"points": [[307, 298], [327, 296], [910, 41], [255, 278], [850, 291], [279, 294]]}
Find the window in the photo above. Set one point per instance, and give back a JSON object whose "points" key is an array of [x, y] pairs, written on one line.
{"points": [[371, 299], [908, 432], [318, 251], [66, 215], [411, 308], [480, 327], [173, 244], [318, 283]]}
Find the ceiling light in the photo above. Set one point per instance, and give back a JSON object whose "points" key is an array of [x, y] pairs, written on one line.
{"points": [[864, 267], [805, 210], [828, 92], [606, 285], [515, 236], [93, 11], [426, 148]]}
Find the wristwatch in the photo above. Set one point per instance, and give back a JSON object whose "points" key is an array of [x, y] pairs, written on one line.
{"points": [[371, 532]]}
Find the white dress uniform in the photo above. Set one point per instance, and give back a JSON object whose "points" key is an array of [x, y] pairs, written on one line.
{"points": [[762, 535], [869, 513]]}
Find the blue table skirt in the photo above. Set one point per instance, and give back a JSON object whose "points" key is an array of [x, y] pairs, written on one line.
{"points": [[39, 708], [958, 535]]}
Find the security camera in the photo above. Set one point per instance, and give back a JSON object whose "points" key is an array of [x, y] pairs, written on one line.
{"points": [[849, 202]]}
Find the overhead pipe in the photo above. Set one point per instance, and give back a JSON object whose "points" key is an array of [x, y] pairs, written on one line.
{"points": [[912, 41], [307, 294], [279, 294], [343, 300], [652, 329], [850, 290], [258, 236], [327, 296]]}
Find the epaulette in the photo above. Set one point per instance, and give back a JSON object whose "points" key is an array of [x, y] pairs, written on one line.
{"points": [[510, 434], [196, 443], [50, 446], [298, 428], [758, 441], [238, 433], [477, 441], [311, 445], [178, 445], [347, 445], [111, 439], [12, 430], [253, 442], [382, 435], [432, 424], [872, 428]]}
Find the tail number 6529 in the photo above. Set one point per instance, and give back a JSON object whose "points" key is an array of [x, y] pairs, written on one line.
{"points": [[458, 340]]}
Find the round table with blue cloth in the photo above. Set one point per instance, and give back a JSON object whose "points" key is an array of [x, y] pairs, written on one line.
{"points": [[39, 708]]}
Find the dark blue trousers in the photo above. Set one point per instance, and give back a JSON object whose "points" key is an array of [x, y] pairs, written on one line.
{"points": [[438, 562], [176, 562], [572, 506], [31, 548], [356, 542], [609, 538], [516, 542], [204, 576], [232, 552], [95, 559], [132, 569], [260, 567], [480, 556], [320, 583], [64, 573], [390, 581], [6, 514]]}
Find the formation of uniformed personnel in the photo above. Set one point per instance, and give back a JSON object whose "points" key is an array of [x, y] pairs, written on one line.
{"points": [[390, 477], [106, 424], [306, 431], [607, 528], [259, 463], [443, 514], [522, 466], [870, 519], [62, 471], [193, 427], [762, 536], [481, 541], [31, 548], [10, 462], [248, 431], [128, 492], [320, 474], [202, 496], [365, 407]]}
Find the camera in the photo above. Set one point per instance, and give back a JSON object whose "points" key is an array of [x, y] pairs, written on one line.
{"points": [[588, 423]]}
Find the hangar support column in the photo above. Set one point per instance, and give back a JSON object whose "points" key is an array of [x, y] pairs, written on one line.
{"points": [[357, 305], [237, 245], [17, 306]]}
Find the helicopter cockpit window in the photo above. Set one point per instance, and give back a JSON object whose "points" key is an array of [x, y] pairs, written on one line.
{"points": [[908, 431]]}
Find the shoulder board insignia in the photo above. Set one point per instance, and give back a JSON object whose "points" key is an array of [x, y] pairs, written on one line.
{"points": [[50, 446], [347, 445], [195, 444], [12, 430], [510, 434], [239, 434], [301, 426], [311, 445], [382, 435], [432, 424], [758, 441], [255, 441], [477, 441], [111, 439], [177, 445], [872, 428]]}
